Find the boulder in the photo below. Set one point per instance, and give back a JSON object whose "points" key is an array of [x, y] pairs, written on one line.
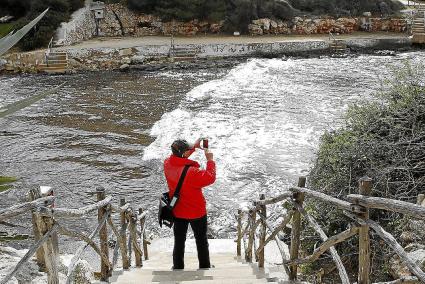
{"points": [[399, 270], [255, 30], [137, 59], [124, 67], [126, 51]]}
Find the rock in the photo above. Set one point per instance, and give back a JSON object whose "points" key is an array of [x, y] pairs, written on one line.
{"points": [[3, 63], [398, 269], [137, 59], [125, 60], [126, 51], [255, 30], [413, 232], [83, 273], [124, 67], [9, 258]]}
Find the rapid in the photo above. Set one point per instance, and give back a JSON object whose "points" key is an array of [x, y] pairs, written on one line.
{"points": [[264, 119]]}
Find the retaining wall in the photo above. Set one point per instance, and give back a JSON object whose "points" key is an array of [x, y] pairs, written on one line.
{"points": [[113, 58]]}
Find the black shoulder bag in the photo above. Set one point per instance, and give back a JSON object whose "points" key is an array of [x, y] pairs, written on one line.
{"points": [[166, 205]]}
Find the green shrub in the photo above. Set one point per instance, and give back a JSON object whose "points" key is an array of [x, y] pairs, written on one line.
{"points": [[60, 11], [349, 7], [383, 139], [5, 29]]}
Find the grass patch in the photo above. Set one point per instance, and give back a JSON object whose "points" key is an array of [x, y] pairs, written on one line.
{"points": [[5, 29], [4, 182]]}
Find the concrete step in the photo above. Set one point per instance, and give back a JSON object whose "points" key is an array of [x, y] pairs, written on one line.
{"points": [[53, 66], [53, 62], [242, 274], [228, 269]]}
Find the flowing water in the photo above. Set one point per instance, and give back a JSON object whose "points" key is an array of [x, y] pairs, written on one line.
{"points": [[264, 119]]}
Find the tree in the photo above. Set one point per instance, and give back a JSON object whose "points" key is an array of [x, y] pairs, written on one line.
{"points": [[144, 6]]}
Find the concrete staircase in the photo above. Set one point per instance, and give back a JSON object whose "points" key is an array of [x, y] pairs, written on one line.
{"points": [[184, 53], [338, 47], [228, 269], [56, 63], [418, 26]]}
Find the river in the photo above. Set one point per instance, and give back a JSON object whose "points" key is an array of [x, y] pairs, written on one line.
{"points": [[264, 119]]}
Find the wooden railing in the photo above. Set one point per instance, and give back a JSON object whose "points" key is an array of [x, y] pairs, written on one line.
{"points": [[47, 225], [356, 207]]}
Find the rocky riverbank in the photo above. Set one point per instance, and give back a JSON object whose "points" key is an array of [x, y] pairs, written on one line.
{"points": [[118, 20], [197, 55]]}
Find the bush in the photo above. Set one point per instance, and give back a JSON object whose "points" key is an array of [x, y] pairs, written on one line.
{"points": [[60, 11], [15, 8], [351, 7], [384, 139]]}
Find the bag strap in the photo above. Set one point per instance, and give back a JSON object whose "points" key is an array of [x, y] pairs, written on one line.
{"points": [[178, 188]]}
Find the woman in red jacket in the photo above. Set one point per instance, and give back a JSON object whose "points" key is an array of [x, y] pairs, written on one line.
{"points": [[191, 206]]}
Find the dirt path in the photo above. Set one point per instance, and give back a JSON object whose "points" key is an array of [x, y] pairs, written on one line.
{"points": [[126, 42]]}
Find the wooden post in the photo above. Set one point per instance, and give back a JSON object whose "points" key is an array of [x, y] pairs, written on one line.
{"points": [[252, 219], [125, 260], [365, 188], [103, 236], [263, 212], [296, 230], [135, 243], [143, 236], [421, 199], [239, 240], [33, 195], [47, 258]]}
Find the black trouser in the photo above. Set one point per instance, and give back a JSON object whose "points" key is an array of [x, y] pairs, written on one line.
{"points": [[199, 227]]}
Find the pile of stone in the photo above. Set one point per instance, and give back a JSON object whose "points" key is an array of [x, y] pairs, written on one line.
{"points": [[307, 26], [119, 21], [413, 240]]}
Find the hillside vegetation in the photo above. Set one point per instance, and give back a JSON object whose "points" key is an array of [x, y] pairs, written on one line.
{"points": [[237, 14], [383, 139], [26, 10]]}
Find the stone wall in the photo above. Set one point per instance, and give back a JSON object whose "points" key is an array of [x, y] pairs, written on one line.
{"points": [[81, 27], [306, 26], [93, 59], [120, 21], [26, 62]]}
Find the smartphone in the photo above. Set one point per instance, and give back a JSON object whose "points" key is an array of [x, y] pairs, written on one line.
{"points": [[205, 143]]}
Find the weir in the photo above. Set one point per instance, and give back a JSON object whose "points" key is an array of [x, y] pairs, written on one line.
{"points": [[252, 238]]}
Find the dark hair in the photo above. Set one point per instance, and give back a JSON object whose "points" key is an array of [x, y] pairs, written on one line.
{"points": [[179, 147]]}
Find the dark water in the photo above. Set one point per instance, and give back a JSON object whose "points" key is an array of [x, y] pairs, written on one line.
{"points": [[264, 118], [91, 133]]}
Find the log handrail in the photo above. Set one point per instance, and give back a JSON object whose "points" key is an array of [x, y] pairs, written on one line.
{"points": [[45, 222], [330, 242], [71, 213], [280, 197], [81, 249], [345, 205], [341, 269], [30, 253], [279, 245], [356, 206], [274, 233], [392, 242], [399, 206], [25, 207], [84, 238]]}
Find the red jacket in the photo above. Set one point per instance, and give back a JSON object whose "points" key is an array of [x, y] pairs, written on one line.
{"points": [[191, 204]]}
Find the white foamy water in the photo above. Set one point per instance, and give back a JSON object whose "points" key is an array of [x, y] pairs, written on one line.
{"points": [[264, 120]]}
